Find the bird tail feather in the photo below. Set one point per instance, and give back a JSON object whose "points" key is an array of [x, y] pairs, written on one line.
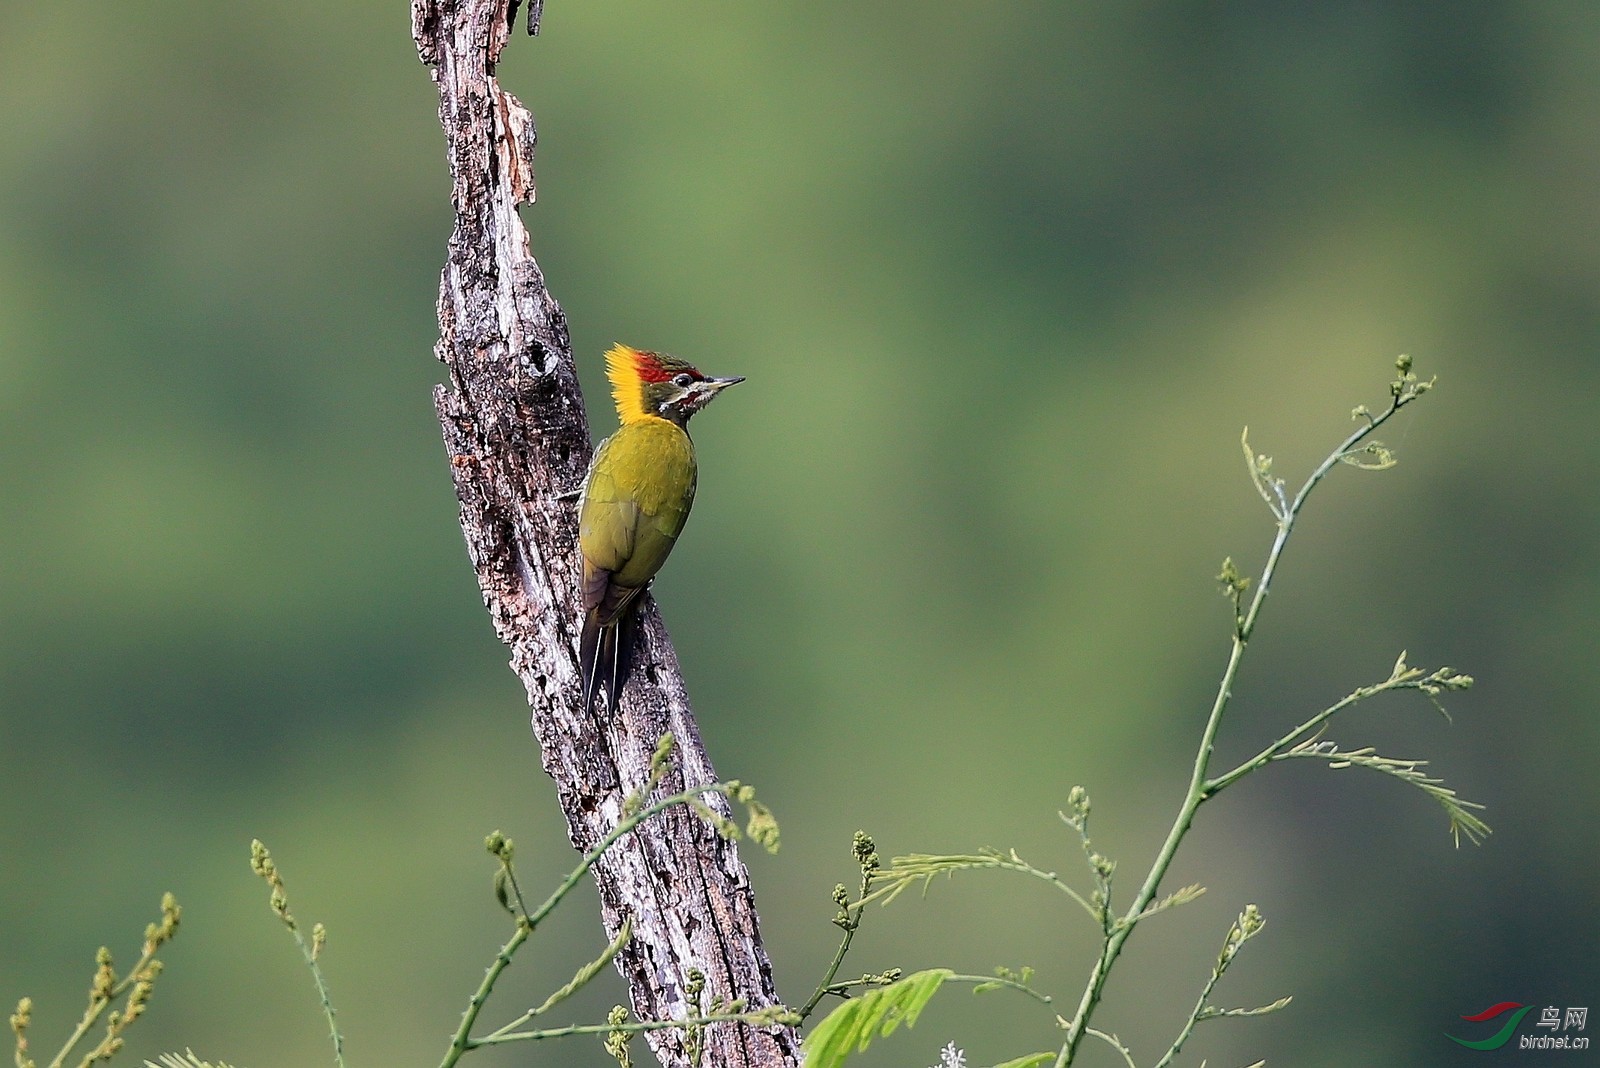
{"points": [[591, 646], [606, 653]]}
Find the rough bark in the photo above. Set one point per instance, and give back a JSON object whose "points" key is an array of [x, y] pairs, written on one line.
{"points": [[517, 438]]}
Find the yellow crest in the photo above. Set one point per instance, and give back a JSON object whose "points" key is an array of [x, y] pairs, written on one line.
{"points": [[634, 373], [624, 366]]}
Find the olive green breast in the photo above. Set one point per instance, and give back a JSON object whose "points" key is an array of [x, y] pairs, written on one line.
{"points": [[636, 499]]}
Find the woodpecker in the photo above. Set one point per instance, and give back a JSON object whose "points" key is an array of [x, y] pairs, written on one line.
{"points": [[634, 502]]}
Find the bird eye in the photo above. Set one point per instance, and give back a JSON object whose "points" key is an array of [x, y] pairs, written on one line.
{"points": [[683, 381]]}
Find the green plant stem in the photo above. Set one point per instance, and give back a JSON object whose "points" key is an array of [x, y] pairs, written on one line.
{"points": [[322, 995], [827, 986], [1199, 788], [842, 989], [909, 869], [1304, 730], [1115, 1043], [96, 1009], [851, 923], [1112, 946], [996, 980], [756, 1018], [1193, 1020], [90, 1016], [578, 982], [629, 823], [462, 1041]]}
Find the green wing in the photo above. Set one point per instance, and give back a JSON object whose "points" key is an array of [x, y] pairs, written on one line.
{"points": [[636, 500]]}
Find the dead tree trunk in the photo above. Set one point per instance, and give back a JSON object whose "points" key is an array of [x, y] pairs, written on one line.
{"points": [[517, 437]]}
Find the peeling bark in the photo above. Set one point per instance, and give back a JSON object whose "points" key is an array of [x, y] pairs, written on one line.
{"points": [[517, 437]]}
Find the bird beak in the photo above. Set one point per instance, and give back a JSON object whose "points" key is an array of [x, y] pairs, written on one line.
{"points": [[720, 384]]}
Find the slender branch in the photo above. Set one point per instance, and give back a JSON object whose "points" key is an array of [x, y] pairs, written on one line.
{"points": [[1463, 820], [629, 823], [1286, 524], [1402, 677], [461, 1041], [827, 985], [1115, 1043], [1189, 1024], [922, 867], [323, 996], [842, 989], [515, 888], [987, 982], [1304, 730], [865, 850], [1181, 896], [1246, 927], [762, 1017], [91, 1016], [579, 980], [1403, 391], [983, 982], [262, 864], [105, 990]]}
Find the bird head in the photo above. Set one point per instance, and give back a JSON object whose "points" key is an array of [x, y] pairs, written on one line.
{"points": [[653, 384]]}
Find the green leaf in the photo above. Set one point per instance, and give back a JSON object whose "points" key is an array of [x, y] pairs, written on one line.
{"points": [[187, 1059], [587, 973], [1032, 1060], [852, 1026]]}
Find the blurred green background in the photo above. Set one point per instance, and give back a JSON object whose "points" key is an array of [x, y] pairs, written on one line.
{"points": [[1006, 279]]}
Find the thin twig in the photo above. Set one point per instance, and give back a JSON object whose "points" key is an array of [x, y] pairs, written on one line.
{"points": [[849, 919], [922, 867], [758, 1018], [1115, 1043], [827, 985], [1404, 391], [462, 1041]]}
